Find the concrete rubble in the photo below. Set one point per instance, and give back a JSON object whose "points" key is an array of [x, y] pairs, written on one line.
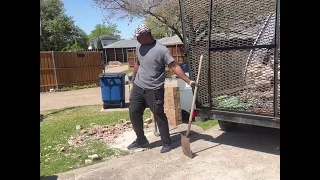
{"points": [[104, 133]]}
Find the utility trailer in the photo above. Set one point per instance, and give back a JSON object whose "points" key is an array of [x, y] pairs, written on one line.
{"points": [[240, 42]]}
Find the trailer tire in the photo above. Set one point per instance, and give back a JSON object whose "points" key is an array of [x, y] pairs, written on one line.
{"points": [[227, 126]]}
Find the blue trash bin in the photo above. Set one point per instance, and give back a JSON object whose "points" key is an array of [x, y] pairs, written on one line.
{"points": [[112, 89], [184, 67]]}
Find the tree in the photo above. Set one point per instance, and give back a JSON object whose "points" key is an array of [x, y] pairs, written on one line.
{"points": [[164, 11], [158, 29], [58, 30], [81, 39], [101, 29], [99, 44]]}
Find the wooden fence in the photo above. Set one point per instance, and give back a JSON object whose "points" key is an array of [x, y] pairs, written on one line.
{"points": [[111, 54], [128, 55], [59, 69], [175, 50]]}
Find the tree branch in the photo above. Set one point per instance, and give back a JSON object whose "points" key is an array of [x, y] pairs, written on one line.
{"points": [[163, 20]]}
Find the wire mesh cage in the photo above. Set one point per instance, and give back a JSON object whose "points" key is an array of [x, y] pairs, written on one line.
{"points": [[241, 66]]}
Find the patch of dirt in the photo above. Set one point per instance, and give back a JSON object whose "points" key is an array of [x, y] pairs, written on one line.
{"points": [[105, 133]]}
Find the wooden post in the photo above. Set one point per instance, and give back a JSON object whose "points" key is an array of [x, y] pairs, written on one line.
{"points": [[54, 69], [177, 53], [106, 56], [134, 55], [122, 55]]}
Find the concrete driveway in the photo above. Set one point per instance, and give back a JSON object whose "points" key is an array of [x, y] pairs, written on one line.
{"points": [[249, 153], [117, 69], [57, 100], [91, 96]]}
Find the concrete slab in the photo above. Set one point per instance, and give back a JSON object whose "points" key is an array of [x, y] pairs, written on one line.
{"points": [[123, 140]]}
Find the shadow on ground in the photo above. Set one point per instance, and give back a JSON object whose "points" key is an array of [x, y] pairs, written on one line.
{"points": [[111, 106], [255, 138], [60, 110], [53, 177], [43, 116]]}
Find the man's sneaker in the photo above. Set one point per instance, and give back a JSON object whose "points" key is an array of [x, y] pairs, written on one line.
{"points": [[165, 148], [135, 145]]}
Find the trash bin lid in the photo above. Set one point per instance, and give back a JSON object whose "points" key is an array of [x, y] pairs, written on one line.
{"points": [[116, 74]]}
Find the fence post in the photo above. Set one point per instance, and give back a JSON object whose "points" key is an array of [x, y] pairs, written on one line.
{"points": [[54, 69], [177, 57], [122, 55], [103, 64]]}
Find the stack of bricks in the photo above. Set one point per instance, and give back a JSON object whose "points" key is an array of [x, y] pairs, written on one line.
{"points": [[172, 106]]}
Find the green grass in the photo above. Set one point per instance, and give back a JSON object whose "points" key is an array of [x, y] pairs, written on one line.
{"points": [[127, 71], [207, 124], [59, 125], [77, 87]]}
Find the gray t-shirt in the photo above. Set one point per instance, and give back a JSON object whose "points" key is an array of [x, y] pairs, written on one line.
{"points": [[152, 59]]}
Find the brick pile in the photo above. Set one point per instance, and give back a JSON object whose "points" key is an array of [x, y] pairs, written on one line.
{"points": [[105, 133], [172, 106]]}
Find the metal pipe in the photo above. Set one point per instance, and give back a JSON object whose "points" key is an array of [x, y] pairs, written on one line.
{"points": [[40, 27], [54, 70], [209, 59], [255, 43], [268, 46], [276, 58], [185, 45], [240, 114]]}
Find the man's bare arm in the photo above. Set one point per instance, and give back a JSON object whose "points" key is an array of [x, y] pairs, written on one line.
{"points": [[178, 71]]}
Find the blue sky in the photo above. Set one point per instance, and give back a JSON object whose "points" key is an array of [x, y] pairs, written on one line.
{"points": [[86, 15]]}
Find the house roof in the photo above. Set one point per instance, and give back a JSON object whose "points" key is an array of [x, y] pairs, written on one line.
{"points": [[107, 37], [104, 37], [123, 44], [173, 40]]}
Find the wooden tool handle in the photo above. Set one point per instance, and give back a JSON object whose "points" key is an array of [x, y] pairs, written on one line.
{"points": [[194, 96]]}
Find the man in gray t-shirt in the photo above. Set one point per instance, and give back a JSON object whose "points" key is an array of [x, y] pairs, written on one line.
{"points": [[148, 86]]}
